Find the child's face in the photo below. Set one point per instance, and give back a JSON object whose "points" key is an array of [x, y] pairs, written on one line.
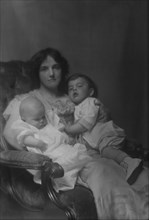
{"points": [[37, 118], [78, 90]]}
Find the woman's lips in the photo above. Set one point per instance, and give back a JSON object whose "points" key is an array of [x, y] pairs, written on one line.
{"points": [[51, 79]]}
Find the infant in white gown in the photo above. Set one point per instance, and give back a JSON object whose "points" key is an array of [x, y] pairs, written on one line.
{"points": [[57, 145]]}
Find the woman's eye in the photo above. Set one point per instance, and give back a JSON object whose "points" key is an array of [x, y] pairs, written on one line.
{"points": [[56, 67], [43, 68]]}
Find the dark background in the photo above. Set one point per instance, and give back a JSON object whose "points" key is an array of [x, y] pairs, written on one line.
{"points": [[104, 39]]}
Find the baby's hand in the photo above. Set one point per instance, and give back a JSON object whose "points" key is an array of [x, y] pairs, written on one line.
{"points": [[64, 128], [42, 146]]}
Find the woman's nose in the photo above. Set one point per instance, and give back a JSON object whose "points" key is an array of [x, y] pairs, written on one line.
{"points": [[50, 72]]}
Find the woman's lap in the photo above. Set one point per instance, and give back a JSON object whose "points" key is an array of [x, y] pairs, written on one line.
{"points": [[102, 171], [114, 197]]}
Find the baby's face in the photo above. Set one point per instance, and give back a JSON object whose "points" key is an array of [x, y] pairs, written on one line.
{"points": [[78, 90], [37, 118]]}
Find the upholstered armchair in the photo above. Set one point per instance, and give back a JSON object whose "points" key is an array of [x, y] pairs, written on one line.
{"points": [[78, 204], [14, 179]]}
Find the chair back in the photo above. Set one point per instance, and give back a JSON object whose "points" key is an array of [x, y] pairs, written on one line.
{"points": [[14, 79]]}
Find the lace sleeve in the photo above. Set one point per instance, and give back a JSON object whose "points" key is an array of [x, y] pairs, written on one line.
{"points": [[12, 107], [65, 110]]}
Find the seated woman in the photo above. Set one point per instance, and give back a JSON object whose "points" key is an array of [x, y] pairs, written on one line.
{"points": [[114, 197]]}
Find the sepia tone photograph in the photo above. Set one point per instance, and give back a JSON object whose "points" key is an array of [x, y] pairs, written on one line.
{"points": [[74, 117]]}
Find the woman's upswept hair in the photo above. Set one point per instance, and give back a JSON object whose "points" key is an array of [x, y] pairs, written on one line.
{"points": [[40, 57], [90, 82]]}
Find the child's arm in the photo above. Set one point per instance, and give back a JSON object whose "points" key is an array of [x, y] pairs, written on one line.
{"points": [[75, 129], [30, 141], [86, 119]]}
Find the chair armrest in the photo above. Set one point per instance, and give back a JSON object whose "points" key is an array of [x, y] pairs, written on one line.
{"points": [[13, 164], [29, 160], [22, 159], [47, 184]]}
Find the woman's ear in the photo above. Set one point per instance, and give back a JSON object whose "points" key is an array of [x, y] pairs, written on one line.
{"points": [[91, 92]]}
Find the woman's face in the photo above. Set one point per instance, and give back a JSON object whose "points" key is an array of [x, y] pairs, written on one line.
{"points": [[50, 73]]}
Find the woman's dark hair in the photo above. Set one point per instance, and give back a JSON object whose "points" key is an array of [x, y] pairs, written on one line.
{"points": [[40, 57], [90, 82]]}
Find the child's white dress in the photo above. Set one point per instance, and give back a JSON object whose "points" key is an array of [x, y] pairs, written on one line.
{"points": [[99, 134], [71, 157]]}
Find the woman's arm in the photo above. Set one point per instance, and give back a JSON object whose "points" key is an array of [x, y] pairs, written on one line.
{"points": [[104, 114], [11, 114], [9, 134]]}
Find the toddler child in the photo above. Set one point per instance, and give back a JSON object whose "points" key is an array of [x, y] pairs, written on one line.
{"points": [[38, 136], [97, 133]]}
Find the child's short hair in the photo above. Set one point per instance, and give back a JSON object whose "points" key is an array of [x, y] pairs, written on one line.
{"points": [[90, 82]]}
